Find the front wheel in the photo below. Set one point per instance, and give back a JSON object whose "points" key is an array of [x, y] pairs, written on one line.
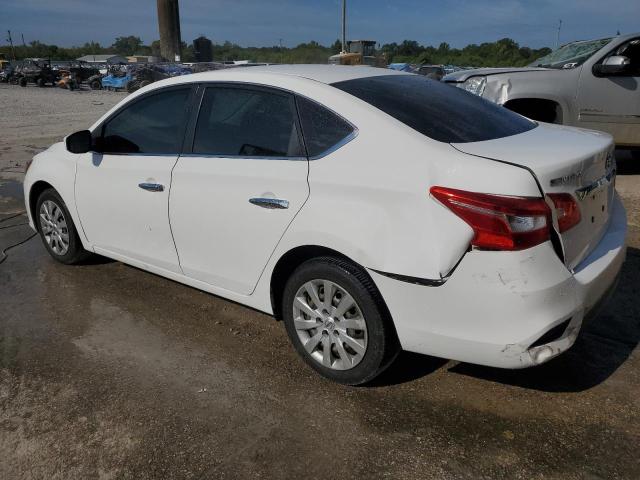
{"points": [[57, 230], [337, 321]]}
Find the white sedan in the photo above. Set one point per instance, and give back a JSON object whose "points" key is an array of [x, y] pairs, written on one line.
{"points": [[371, 210]]}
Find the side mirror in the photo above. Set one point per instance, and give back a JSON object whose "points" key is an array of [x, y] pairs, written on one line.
{"points": [[79, 142], [613, 65]]}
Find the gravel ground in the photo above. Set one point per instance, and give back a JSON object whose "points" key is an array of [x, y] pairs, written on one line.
{"points": [[110, 372]]}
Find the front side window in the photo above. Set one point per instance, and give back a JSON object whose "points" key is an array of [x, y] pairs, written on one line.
{"points": [[322, 128], [154, 124], [247, 122]]}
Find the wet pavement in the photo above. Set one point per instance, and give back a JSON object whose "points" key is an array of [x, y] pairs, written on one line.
{"points": [[107, 372]]}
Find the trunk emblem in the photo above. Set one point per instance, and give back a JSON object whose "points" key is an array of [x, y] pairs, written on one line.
{"points": [[574, 178]]}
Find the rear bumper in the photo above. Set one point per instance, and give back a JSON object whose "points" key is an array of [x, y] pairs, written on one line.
{"points": [[496, 305]]}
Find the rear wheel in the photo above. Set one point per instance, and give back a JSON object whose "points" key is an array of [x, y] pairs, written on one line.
{"points": [[40, 82], [57, 230], [22, 82], [338, 322], [95, 85]]}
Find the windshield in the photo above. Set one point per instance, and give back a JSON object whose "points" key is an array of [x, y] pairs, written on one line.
{"points": [[571, 55], [439, 111]]}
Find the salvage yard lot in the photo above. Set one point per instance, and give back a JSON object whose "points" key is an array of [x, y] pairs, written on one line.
{"points": [[110, 372]]}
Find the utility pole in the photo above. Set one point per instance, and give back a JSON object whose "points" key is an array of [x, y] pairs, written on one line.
{"points": [[344, 26], [13, 52], [23, 44], [558, 36], [281, 53]]}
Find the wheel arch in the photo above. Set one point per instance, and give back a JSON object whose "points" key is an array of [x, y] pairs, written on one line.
{"points": [[537, 108], [291, 260], [34, 192]]}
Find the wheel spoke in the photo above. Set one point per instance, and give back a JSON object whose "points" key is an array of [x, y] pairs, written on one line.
{"points": [[302, 324], [353, 343], [350, 323], [345, 304], [326, 351], [302, 305], [328, 295], [313, 342], [312, 290], [345, 360]]}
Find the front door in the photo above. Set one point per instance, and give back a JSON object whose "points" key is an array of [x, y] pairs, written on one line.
{"points": [[235, 194], [612, 103], [122, 192]]}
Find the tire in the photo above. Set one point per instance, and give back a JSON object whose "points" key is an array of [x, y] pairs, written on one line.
{"points": [[40, 82], [22, 82], [51, 207], [369, 323], [95, 85]]}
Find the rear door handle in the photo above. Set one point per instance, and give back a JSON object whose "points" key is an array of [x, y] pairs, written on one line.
{"points": [[152, 187], [271, 203]]}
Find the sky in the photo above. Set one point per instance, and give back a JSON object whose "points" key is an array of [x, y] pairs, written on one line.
{"points": [[265, 22]]}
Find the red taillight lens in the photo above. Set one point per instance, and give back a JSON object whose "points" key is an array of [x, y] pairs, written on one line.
{"points": [[567, 210], [499, 222]]}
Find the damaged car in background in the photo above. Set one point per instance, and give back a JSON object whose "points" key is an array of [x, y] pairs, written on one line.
{"points": [[487, 242], [591, 84]]}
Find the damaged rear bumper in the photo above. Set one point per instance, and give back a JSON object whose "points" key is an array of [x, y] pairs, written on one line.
{"points": [[501, 308]]}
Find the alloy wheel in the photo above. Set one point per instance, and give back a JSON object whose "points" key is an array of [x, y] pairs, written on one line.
{"points": [[54, 227], [330, 324]]}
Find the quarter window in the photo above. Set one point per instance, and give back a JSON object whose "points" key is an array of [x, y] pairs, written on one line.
{"points": [[322, 128], [247, 122], [154, 124]]}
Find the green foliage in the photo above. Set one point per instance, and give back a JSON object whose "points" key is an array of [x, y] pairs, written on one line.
{"points": [[502, 53], [127, 45]]}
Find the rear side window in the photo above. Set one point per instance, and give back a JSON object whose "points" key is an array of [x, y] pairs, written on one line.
{"points": [[322, 128], [439, 111], [154, 124], [246, 122]]}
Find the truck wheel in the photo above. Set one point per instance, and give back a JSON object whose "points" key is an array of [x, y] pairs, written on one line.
{"points": [[40, 82], [22, 82], [95, 85]]}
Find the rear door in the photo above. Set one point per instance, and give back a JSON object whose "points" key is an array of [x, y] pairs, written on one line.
{"points": [[122, 192], [241, 185]]}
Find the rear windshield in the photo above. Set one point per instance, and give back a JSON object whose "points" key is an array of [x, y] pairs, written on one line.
{"points": [[439, 111]]}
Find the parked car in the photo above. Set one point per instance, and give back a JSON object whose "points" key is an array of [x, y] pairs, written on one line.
{"points": [[591, 84], [371, 210], [435, 72], [39, 73]]}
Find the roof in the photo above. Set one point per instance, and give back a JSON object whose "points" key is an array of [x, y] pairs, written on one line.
{"points": [[320, 73]]}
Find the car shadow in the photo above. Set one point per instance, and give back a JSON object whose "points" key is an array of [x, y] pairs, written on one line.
{"points": [[604, 344]]}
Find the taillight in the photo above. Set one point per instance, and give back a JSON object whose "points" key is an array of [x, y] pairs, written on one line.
{"points": [[499, 222], [567, 210]]}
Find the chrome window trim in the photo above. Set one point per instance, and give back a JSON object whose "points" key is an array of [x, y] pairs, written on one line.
{"points": [[240, 157]]}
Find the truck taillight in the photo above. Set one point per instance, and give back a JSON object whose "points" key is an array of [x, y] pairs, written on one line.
{"points": [[567, 210], [499, 222]]}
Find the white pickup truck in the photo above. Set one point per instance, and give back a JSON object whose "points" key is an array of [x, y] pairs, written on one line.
{"points": [[591, 84]]}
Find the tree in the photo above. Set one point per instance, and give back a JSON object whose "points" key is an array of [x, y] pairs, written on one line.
{"points": [[127, 45]]}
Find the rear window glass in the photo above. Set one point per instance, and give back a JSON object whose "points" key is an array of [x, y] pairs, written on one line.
{"points": [[439, 111], [322, 129]]}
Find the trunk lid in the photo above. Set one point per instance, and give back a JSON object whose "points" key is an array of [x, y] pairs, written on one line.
{"points": [[564, 160]]}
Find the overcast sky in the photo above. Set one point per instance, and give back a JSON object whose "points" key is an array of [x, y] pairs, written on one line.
{"points": [[264, 22]]}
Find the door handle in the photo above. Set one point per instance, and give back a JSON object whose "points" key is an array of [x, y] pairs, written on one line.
{"points": [[152, 187], [271, 203]]}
